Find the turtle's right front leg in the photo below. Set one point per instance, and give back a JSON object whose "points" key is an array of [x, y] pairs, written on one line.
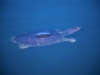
{"points": [[69, 39]]}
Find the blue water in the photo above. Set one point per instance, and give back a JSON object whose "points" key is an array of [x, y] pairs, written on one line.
{"points": [[65, 58]]}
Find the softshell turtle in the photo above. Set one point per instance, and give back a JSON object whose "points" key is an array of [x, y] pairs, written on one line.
{"points": [[43, 38]]}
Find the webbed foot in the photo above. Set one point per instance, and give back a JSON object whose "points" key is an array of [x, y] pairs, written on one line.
{"points": [[69, 39], [23, 46]]}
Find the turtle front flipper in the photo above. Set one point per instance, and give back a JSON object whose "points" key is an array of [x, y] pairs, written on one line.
{"points": [[69, 39]]}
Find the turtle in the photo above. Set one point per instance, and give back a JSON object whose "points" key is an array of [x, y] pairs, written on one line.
{"points": [[43, 38]]}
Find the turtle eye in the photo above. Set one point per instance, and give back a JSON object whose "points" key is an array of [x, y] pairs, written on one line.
{"points": [[76, 27]]}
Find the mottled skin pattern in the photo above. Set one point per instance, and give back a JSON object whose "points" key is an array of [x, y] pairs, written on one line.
{"points": [[43, 38]]}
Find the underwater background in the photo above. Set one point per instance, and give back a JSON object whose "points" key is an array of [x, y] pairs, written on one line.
{"points": [[79, 58]]}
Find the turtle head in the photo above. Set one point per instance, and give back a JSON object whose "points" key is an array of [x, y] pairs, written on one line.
{"points": [[77, 28]]}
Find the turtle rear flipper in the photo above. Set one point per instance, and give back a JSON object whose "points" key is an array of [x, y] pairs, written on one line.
{"points": [[24, 46]]}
